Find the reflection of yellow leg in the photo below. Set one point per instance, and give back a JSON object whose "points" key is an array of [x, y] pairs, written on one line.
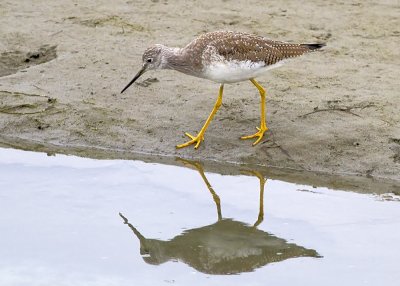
{"points": [[200, 137], [262, 186], [200, 169], [261, 210], [263, 124]]}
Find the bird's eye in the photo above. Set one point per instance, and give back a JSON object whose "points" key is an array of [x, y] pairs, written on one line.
{"points": [[149, 60]]}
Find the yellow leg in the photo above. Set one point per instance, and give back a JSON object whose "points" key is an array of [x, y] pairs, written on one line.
{"points": [[263, 124], [197, 139]]}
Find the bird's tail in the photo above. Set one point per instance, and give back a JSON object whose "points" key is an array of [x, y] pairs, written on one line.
{"points": [[289, 50], [312, 47]]}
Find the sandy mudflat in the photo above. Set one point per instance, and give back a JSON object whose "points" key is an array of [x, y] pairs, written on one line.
{"points": [[63, 63]]}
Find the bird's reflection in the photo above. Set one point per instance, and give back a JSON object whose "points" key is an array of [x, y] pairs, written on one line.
{"points": [[225, 247]]}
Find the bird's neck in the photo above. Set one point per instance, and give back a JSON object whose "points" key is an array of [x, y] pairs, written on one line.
{"points": [[169, 57], [175, 59]]}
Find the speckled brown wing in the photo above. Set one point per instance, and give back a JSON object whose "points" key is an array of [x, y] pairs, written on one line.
{"points": [[243, 46], [246, 47]]}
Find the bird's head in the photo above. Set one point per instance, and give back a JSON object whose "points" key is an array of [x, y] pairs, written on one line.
{"points": [[152, 59]]}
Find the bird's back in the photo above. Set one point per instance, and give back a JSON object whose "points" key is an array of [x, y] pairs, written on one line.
{"points": [[237, 46]]}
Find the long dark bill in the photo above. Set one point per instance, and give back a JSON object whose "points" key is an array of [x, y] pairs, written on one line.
{"points": [[135, 78]]}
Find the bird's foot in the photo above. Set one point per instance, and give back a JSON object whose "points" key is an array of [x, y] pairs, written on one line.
{"points": [[194, 139], [259, 134]]}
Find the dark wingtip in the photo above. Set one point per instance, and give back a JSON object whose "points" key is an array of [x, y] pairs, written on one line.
{"points": [[312, 47]]}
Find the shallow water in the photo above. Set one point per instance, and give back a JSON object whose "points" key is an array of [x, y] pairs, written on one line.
{"points": [[66, 220]]}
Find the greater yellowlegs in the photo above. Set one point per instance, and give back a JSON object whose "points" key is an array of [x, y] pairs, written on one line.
{"points": [[224, 57]]}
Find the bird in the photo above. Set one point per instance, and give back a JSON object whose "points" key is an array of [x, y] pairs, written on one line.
{"points": [[224, 57]]}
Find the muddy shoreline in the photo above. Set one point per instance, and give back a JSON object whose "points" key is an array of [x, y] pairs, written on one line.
{"points": [[335, 112], [348, 182]]}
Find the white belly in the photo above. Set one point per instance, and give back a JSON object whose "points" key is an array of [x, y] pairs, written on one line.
{"points": [[235, 71]]}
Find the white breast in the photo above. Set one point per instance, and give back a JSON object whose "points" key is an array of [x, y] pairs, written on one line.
{"points": [[235, 71]]}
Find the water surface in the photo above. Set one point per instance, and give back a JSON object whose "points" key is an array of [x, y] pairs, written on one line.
{"points": [[66, 220]]}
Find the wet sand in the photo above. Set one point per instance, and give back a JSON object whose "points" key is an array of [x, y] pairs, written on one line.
{"points": [[63, 64]]}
